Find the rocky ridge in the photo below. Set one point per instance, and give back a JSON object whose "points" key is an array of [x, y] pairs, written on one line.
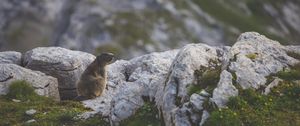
{"points": [[166, 78]]}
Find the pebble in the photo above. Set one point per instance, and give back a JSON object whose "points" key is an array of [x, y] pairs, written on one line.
{"points": [[30, 112]]}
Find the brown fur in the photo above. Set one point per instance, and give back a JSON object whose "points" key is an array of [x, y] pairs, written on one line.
{"points": [[93, 81]]}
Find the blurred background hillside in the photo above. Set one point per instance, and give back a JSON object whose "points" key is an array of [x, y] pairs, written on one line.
{"points": [[134, 27]]}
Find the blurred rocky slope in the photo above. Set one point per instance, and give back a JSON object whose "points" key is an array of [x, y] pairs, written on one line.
{"points": [[142, 26]]}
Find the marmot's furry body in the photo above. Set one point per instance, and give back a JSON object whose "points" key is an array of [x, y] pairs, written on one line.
{"points": [[93, 81]]}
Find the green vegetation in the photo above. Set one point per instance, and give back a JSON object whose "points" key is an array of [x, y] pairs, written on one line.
{"points": [[250, 108], [251, 56], [193, 89], [206, 79], [49, 112], [291, 74], [147, 115], [21, 90]]}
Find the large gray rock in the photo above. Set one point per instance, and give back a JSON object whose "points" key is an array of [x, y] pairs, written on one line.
{"points": [[165, 78], [191, 58], [10, 57], [63, 64], [254, 57], [43, 84]]}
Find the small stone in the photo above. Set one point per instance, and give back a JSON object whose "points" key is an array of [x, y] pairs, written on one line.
{"points": [[31, 121], [16, 100], [204, 93], [30, 112], [273, 84], [197, 101], [64, 64]]}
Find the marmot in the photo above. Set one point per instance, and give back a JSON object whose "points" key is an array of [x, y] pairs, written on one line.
{"points": [[93, 81]]}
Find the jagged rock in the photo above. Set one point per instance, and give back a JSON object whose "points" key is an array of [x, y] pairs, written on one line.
{"points": [[253, 57], [196, 101], [10, 57], [63, 64], [204, 117], [224, 90], [164, 78], [190, 58], [43, 84]]}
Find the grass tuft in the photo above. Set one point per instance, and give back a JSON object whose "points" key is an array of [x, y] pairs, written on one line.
{"points": [[292, 74], [147, 115], [21, 90]]}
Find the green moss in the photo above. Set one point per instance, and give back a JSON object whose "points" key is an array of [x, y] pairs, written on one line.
{"points": [[206, 78], [289, 74], [191, 89], [292, 74], [210, 78], [251, 108], [49, 112], [251, 56], [147, 115]]}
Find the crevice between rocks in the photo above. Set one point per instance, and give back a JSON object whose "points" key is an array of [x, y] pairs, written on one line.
{"points": [[8, 78]]}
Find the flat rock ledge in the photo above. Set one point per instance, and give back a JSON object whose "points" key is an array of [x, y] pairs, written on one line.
{"points": [[163, 77]]}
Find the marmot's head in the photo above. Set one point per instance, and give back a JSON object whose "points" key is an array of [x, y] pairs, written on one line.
{"points": [[105, 58]]}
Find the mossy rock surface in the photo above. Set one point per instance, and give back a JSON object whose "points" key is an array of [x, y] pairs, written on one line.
{"points": [[251, 108]]}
